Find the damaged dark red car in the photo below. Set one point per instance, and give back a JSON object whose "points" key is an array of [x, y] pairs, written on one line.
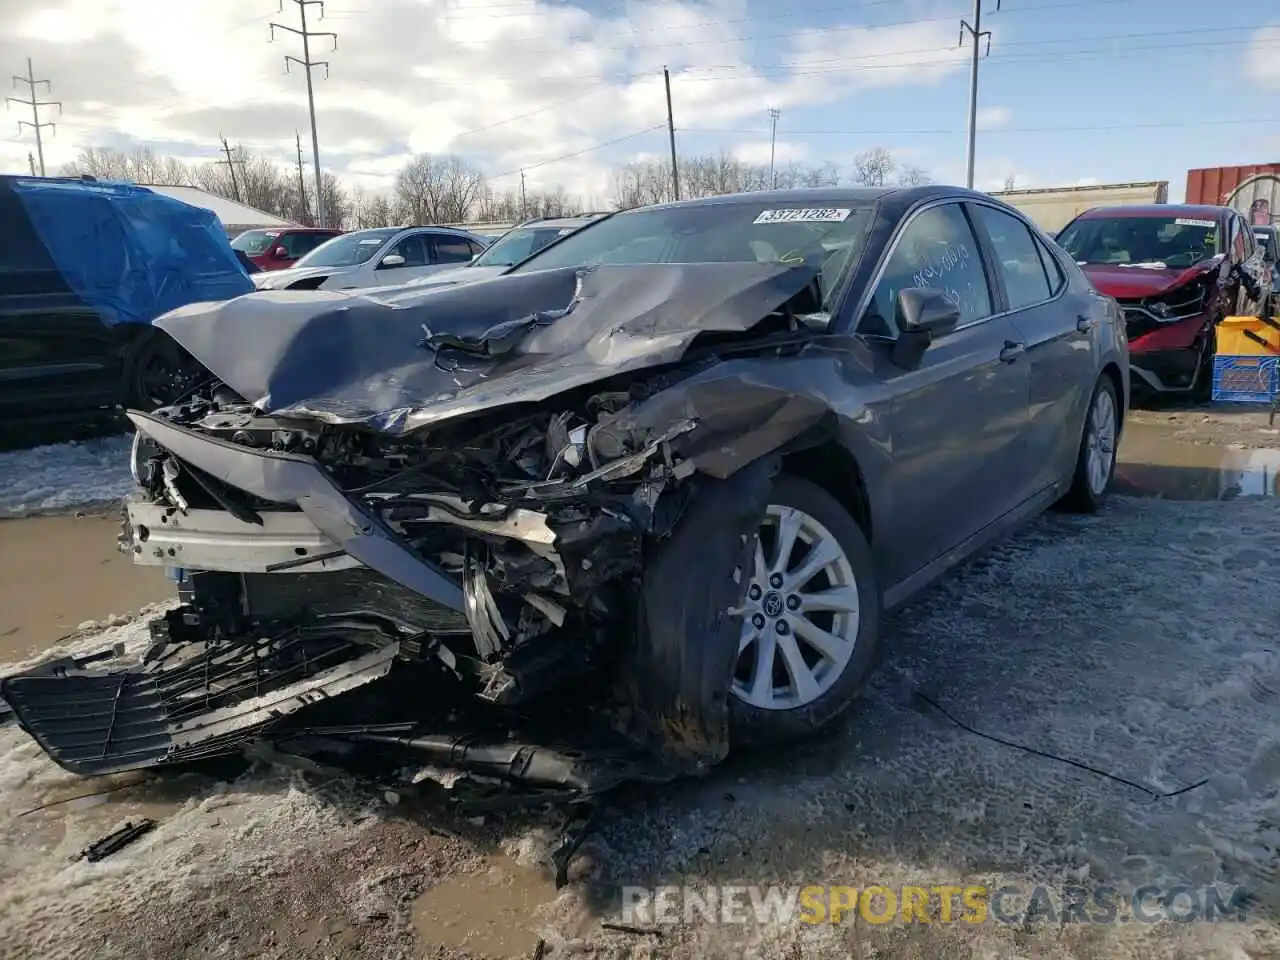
{"points": [[1176, 271]]}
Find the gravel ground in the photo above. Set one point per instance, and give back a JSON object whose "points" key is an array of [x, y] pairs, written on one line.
{"points": [[1141, 642]]}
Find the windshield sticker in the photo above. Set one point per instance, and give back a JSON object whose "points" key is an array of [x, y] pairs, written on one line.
{"points": [[832, 215], [368, 242], [1185, 222]]}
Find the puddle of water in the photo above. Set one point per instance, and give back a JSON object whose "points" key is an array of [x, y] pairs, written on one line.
{"points": [[1149, 464], [98, 813], [488, 913], [57, 572]]}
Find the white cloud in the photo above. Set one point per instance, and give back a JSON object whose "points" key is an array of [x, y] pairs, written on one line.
{"points": [[991, 118], [1263, 59], [513, 85], [757, 152]]}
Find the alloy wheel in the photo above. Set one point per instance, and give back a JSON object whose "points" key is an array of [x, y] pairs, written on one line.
{"points": [[1101, 442], [801, 615]]}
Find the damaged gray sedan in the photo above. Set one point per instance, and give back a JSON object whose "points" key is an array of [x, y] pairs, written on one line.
{"points": [[643, 496]]}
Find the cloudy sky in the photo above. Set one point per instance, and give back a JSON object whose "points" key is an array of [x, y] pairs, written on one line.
{"points": [[1073, 90]]}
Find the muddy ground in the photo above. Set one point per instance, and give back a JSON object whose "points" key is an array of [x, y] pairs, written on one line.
{"points": [[1141, 642]]}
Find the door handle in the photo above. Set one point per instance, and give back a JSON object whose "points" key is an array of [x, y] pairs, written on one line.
{"points": [[1085, 323], [1012, 351]]}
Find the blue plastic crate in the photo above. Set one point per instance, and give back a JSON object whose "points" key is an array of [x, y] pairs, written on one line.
{"points": [[1246, 379]]}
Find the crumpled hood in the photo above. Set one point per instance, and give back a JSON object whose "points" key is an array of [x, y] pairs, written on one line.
{"points": [[446, 278], [351, 358], [1134, 283], [279, 279]]}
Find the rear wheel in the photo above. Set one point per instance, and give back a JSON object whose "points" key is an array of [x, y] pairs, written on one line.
{"points": [[1096, 460], [811, 617]]}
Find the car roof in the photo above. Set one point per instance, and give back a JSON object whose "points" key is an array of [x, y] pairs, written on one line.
{"points": [[1198, 210], [860, 196], [561, 221]]}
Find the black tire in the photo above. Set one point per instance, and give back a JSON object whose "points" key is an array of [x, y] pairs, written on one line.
{"points": [[1082, 497], [752, 725], [157, 372]]}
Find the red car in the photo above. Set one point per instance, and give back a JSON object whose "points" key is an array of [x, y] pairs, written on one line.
{"points": [[1176, 271], [280, 249]]}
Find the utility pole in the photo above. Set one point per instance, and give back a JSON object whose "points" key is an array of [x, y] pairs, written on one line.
{"points": [[524, 204], [231, 165], [774, 114], [302, 183], [671, 131], [35, 104], [307, 63], [978, 34]]}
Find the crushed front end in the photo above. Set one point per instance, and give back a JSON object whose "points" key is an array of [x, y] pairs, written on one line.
{"points": [[515, 547], [490, 568]]}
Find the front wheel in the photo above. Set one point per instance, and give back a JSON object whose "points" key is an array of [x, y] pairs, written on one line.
{"points": [[811, 617], [158, 372], [1096, 460]]}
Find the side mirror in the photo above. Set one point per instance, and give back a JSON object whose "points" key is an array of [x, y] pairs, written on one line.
{"points": [[391, 260], [923, 314], [280, 253]]}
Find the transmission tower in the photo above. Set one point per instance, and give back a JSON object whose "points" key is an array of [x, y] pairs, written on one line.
{"points": [[307, 64], [35, 103]]}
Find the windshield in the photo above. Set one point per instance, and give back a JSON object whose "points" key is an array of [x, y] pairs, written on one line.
{"points": [[516, 245], [347, 250], [254, 242], [718, 233], [1154, 242]]}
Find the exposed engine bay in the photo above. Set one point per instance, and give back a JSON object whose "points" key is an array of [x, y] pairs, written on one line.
{"points": [[539, 593]]}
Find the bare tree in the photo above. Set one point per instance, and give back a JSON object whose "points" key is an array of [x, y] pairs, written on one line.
{"points": [[1009, 182], [371, 210], [438, 189], [141, 166], [872, 168], [912, 176]]}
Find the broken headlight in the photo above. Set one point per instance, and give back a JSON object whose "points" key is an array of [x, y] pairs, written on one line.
{"points": [[142, 459]]}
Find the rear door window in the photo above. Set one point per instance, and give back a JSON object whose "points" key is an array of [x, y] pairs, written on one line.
{"points": [[1018, 260], [451, 249]]}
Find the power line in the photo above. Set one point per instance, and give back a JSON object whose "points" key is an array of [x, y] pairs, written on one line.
{"points": [[307, 64], [1252, 121], [834, 65], [35, 103], [579, 153]]}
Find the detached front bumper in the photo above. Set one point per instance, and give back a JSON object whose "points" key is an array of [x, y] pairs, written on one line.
{"points": [[176, 709]]}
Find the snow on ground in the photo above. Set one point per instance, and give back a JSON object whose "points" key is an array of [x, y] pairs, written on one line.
{"points": [[64, 475], [1141, 641]]}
